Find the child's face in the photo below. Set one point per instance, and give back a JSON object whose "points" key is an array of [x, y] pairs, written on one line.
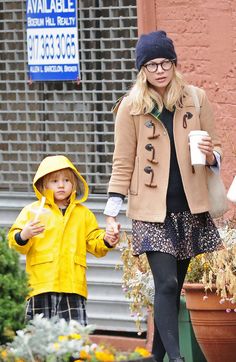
{"points": [[61, 186]]}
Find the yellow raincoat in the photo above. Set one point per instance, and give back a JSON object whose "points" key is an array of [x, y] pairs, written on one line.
{"points": [[56, 258]]}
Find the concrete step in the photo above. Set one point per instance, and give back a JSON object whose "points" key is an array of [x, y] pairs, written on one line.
{"points": [[103, 273], [113, 292], [108, 322], [111, 258]]}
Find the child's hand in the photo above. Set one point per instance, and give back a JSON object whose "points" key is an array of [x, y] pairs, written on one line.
{"points": [[31, 229], [111, 240]]}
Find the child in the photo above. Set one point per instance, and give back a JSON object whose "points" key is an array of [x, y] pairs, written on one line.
{"points": [[56, 252]]}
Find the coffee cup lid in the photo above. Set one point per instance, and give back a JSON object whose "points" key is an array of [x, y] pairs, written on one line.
{"points": [[198, 133]]}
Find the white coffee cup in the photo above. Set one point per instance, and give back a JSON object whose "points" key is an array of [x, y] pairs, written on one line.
{"points": [[197, 156], [231, 194]]}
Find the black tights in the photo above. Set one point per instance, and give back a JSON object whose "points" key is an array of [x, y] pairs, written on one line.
{"points": [[168, 274]]}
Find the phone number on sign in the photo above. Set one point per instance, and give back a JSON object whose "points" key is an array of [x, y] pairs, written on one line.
{"points": [[44, 48]]}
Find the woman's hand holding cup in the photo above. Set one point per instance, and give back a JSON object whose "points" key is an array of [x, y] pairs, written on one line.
{"points": [[206, 147], [201, 148]]}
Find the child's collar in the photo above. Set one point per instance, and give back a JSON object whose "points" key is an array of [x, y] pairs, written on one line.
{"points": [[50, 196]]}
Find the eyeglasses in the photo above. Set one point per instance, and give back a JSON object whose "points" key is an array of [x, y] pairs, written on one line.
{"points": [[165, 65]]}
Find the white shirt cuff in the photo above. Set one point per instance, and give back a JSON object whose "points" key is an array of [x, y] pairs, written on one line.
{"points": [[113, 206], [216, 168]]}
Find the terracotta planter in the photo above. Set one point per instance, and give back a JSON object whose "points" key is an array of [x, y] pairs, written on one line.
{"points": [[214, 328]]}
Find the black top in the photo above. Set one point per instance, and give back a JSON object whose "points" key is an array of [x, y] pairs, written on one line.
{"points": [[176, 200]]}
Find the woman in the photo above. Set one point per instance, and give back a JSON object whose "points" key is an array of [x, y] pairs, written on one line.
{"points": [[167, 196]]}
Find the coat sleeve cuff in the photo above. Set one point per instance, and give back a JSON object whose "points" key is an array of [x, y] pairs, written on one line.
{"points": [[20, 241], [107, 244], [216, 167]]}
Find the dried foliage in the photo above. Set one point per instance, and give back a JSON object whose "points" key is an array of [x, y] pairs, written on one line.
{"points": [[221, 265], [137, 282]]}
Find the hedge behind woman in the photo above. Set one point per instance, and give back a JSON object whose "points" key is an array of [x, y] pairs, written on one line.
{"points": [[167, 197]]}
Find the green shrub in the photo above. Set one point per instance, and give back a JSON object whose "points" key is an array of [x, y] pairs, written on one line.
{"points": [[13, 291]]}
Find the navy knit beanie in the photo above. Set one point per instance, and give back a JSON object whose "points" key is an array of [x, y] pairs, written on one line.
{"points": [[154, 45]]}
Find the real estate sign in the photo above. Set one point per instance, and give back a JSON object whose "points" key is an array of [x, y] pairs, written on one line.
{"points": [[52, 40]]}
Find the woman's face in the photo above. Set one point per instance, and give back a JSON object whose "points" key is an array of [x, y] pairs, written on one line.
{"points": [[159, 73]]}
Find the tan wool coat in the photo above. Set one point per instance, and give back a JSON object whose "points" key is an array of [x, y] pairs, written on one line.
{"points": [[141, 160]]}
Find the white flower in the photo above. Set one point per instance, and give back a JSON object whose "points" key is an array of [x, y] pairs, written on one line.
{"points": [[43, 337]]}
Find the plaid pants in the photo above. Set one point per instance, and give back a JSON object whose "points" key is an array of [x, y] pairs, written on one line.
{"points": [[65, 305]]}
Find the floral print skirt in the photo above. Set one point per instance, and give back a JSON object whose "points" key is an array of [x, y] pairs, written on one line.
{"points": [[182, 235]]}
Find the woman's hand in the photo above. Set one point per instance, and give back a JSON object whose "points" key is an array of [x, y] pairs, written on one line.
{"points": [[31, 229], [206, 146]]}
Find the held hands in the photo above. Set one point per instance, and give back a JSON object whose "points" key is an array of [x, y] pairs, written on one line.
{"points": [[112, 231], [31, 229], [206, 146]]}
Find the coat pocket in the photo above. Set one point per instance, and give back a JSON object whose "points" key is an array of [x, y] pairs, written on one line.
{"points": [[41, 259], [81, 260], [135, 179], [80, 266], [41, 270]]}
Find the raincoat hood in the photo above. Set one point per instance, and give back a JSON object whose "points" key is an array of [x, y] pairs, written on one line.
{"points": [[56, 163]]}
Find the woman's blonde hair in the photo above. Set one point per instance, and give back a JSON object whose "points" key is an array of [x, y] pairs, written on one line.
{"points": [[144, 98], [66, 172]]}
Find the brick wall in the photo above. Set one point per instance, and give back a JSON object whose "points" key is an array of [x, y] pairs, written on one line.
{"points": [[204, 32]]}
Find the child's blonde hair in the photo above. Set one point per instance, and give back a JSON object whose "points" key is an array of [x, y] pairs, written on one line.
{"points": [[66, 172], [144, 98]]}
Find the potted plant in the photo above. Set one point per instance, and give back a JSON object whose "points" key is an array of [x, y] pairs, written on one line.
{"points": [[55, 340], [210, 292], [13, 290]]}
